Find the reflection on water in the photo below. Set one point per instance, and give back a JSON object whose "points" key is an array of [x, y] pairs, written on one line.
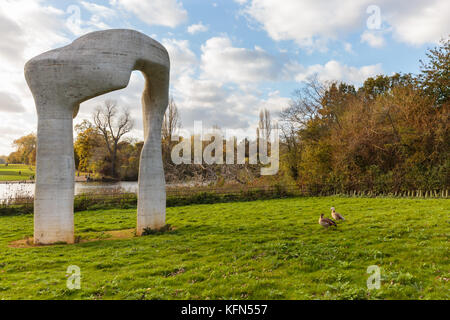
{"points": [[12, 190], [105, 187], [17, 189]]}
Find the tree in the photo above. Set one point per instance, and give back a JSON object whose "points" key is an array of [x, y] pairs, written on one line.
{"points": [[171, 121], [25, 150], [128, 156], [305, 104], [112, 126], [265, 124], [391, 134], [435, 73], [381, 84], [87, 144]]}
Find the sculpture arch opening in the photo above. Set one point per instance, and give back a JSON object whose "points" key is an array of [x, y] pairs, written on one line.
{"points": [[61, 79], [97, 163]]}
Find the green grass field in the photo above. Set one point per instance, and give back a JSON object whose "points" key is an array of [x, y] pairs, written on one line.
{"points": [[271, 249], [11, 172]]}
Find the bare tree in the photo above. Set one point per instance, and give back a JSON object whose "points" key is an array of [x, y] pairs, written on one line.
{"points": [[265, 124], [112, 126], [305, 104], [171, 121]]}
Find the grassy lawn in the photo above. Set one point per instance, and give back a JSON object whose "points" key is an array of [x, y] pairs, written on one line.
{"points": [[271, 249], [11, 172]]}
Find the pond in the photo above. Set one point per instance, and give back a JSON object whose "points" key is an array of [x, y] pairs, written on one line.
{"points": [[19, 189]]}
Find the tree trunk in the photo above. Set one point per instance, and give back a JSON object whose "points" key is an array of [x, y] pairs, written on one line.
{"points": [[113, 161]]}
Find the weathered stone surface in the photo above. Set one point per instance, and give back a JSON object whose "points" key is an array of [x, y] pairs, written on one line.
{"points": [[61, 79]]}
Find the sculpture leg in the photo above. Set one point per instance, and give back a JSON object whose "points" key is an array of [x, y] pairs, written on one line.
{"points": [[55, 171], [152, 186]]}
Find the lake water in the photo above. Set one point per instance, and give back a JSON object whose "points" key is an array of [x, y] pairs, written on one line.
{"points": [[14, 189]]}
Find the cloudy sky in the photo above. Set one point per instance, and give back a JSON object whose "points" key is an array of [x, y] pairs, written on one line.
{"points": [[229, 58]]}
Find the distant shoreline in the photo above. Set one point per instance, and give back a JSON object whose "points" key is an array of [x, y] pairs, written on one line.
{"points": [[17, 181]]}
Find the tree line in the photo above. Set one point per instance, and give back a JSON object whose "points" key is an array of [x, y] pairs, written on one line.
{"points": [[102, 151], [390, 134]]}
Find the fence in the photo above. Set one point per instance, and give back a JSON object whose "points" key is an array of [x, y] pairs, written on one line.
{"points": [[171, 192], [197, 195]]}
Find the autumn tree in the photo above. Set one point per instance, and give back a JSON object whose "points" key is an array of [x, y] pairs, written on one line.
{"points": [[128, 157], [391, 134], [87, 146], [25, 150], [435, 72]]}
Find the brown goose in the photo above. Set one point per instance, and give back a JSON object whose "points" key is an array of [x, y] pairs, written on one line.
{"points": [[325, 222], [336, 215]]}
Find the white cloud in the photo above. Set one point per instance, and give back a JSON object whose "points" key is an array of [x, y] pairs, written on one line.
{"points": [[235, 111], [417, 22], [10, 103], [373, 39], [335, 71], [182, 60], [99, 16], [223, 62], [221, 88], [348, 47], [99, 10], [23, 25], [196, 28], [274, 103], [312, 23], [199, 92], [208, 101], [13, 39], [169, 13]]}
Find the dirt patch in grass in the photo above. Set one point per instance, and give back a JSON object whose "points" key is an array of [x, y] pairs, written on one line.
{"points": [[105, 235]]}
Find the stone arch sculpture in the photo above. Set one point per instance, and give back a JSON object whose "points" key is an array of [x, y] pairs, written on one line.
{"points": [[61, 79]]}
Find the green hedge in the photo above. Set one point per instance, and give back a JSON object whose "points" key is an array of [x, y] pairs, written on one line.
{"points": [[127, 201]]}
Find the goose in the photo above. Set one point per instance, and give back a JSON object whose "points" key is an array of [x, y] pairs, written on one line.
{"points": [[325, 222], [336, 215]]}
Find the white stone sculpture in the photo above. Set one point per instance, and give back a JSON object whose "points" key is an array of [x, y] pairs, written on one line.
{"points": [[61, 79]]}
